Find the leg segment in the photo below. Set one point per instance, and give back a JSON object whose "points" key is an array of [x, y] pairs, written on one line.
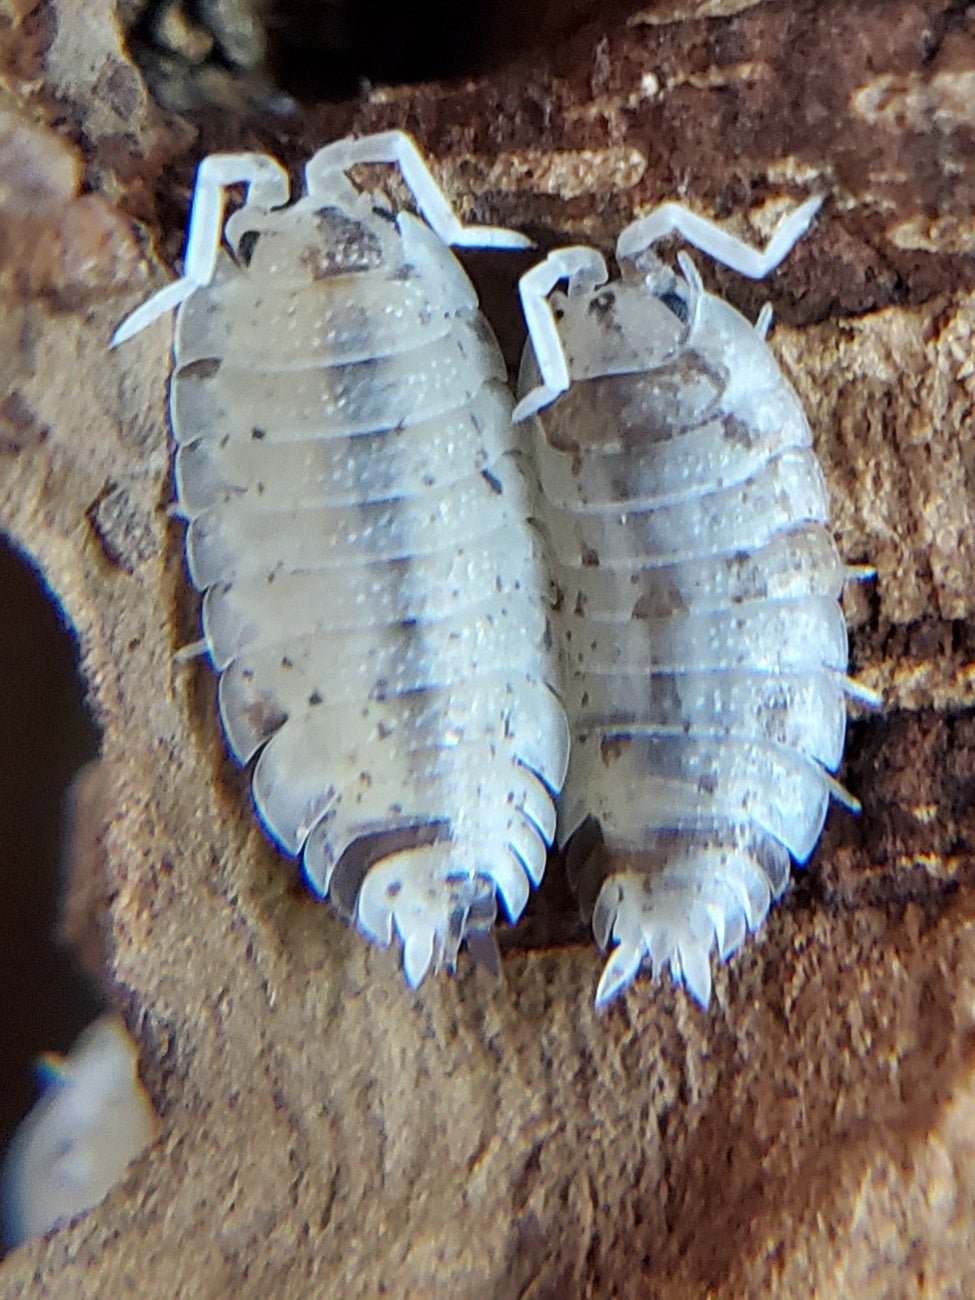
{"points": [[399, 149], [764, 321], [267, 187], [584, 269], [696, 291], [674, 218]]}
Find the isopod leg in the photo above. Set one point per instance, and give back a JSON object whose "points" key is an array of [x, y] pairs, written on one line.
{"points": [[763, 322], [267, 187], [674, 218], [399, 149], [584, 269], [857, 690]]}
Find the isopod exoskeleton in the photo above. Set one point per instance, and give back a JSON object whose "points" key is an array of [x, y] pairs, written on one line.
{"points": [[697, 589], [93, 1119], [376, 601]]}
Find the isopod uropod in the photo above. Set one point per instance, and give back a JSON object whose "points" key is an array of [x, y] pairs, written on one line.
{"points": [[697, 594], [376, 601]]}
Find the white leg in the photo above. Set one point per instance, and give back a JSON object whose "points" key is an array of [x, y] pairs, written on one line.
{"points": [[696, 295], [187, 653], [267, 187], [399, 149], [860, 572], [674, 218], [764, 322], [857, 691], [584, 269], [841, 794]]}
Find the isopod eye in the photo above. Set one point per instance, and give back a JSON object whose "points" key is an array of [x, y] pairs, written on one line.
{"points": [[385, 213], [675, 303], [602, 304], [246, 245]]}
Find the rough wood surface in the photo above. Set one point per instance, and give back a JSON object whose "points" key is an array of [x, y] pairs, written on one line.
{"points": [[325, 1132]]}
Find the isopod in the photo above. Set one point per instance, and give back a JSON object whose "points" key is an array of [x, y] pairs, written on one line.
{"points": [[93, 1119], [698, 594], [375, 598]]}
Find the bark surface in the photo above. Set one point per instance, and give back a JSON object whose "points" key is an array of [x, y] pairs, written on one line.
{"points": [[326, 1133]]}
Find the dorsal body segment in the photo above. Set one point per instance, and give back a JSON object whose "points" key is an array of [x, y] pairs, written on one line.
{"points": [[698, 595], [375, 599]]}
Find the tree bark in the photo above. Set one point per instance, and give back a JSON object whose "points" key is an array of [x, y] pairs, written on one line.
{"points": [[325, 1132]]}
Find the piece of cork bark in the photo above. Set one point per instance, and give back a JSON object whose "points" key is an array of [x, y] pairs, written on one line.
{"points": [[325, 1132]]}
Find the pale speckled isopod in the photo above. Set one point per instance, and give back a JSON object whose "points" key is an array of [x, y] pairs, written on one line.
{"points": [[698, 594], [375, 600], [93, 1119]]}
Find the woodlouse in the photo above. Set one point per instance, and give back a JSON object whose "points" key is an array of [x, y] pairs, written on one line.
{"points": [[93, 1119], [698, 594], [375, 600]]}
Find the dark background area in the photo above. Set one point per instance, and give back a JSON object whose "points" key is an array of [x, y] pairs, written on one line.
{"points": [[244, 55], [45, 737], [324, 50]]}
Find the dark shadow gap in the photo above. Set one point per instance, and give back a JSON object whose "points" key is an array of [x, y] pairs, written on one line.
{"points": [[246, 55], [326, 50], [47, 735], [242, 54]]}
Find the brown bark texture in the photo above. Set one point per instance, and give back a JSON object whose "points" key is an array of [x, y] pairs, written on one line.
{"points": [[325, 1132]]}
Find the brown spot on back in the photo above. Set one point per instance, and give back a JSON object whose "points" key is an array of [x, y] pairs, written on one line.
{"points": [[20, 429]]}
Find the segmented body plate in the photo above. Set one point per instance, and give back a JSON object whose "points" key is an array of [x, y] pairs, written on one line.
{"points": [[375, 600], [698, 590]]}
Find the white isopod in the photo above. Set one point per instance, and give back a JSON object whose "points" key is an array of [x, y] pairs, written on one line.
{"points": [[698, 594], [375, 600], [80, 1137]]}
